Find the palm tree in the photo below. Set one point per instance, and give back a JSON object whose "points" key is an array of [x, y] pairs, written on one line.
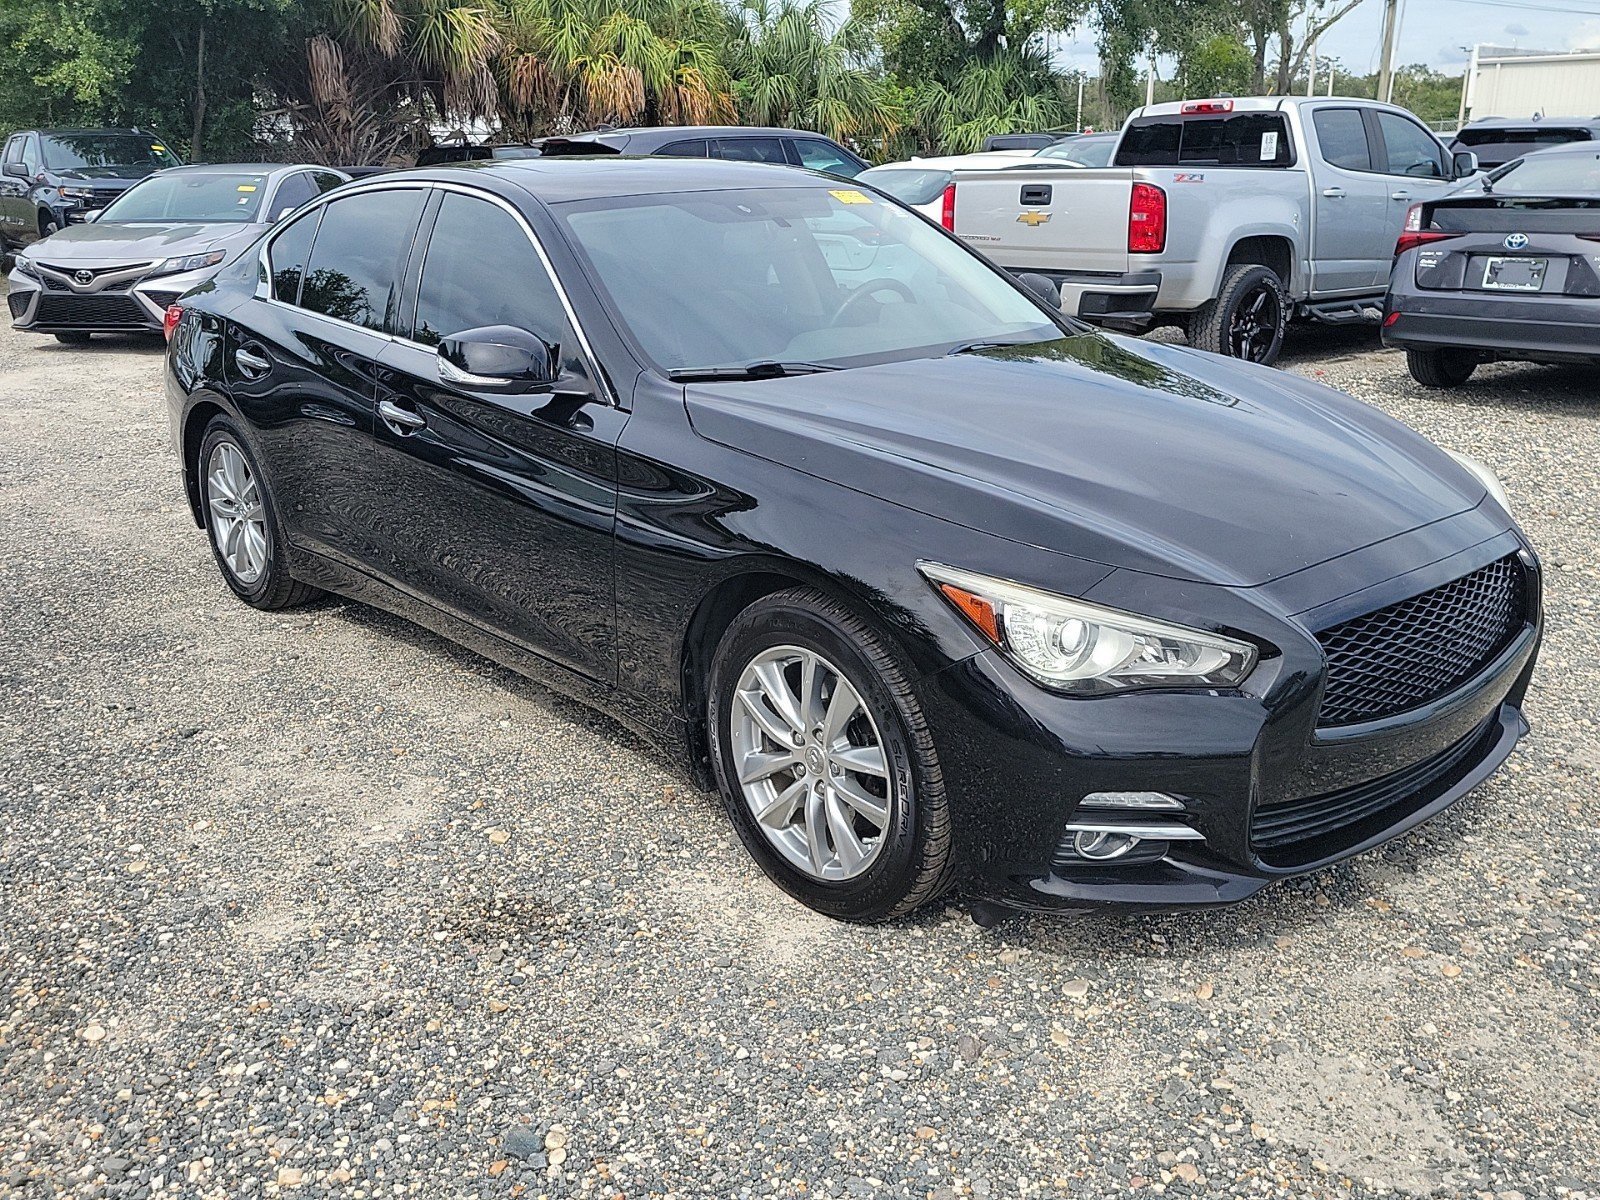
{"points": [[1013, 88], [789, 70]]}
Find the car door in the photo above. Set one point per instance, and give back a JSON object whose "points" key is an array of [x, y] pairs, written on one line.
{"points": [[500, 504], [1415, 167], [12, 190], [1351, 243], [302, 360]]}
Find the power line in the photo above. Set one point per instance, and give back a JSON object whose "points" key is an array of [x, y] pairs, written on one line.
{"points": [[1551, 8]]}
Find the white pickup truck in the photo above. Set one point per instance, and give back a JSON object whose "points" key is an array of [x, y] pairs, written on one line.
{"points": [[1227, 217]]}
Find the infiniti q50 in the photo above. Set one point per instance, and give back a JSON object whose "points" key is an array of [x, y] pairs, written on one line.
{"points": [[936, 587]]}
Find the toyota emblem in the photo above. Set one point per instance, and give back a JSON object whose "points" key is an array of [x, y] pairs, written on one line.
{"points": [[83, 276], [1516, 241]]}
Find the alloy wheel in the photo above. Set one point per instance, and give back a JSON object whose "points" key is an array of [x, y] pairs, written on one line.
{"points": [[238, 519], [1255, 322], [811, 763]]}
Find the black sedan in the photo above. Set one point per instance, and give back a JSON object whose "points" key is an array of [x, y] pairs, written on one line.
{"points": [[933, 586], [1505, 268]]}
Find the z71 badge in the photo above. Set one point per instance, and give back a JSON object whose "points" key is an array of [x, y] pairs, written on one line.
{"points": [[1188, 177]]}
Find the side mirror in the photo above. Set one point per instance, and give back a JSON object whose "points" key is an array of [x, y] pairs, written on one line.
{"points": [[1464, 163], [93, 215], [1046, 292], [282, 213], [498, 358], [20, 170]]}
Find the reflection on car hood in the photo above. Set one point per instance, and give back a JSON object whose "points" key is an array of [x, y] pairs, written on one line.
{"points": [[1136, 455], [139, 241], [114, 175]]}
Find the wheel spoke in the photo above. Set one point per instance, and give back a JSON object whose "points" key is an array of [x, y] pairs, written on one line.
{"points": [[816, 819], [771, 724], [845, 842], [758, 765], [780, 812], [812, 677], [873, 809], [868, 760], [775, 689], [842, 705]]}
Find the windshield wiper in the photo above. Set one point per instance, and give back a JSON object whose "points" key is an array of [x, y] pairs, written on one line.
{"points": [[753, 370], [974, 347]]}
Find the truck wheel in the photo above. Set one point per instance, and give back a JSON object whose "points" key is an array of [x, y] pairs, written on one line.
{"points": [[1441, 368], [1246, 319]]}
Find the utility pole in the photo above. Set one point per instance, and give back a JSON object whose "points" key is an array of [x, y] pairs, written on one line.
{"points": [[1150, 80], [1080, 101], [1391, 28], [1467, 82], [1311, 71]]}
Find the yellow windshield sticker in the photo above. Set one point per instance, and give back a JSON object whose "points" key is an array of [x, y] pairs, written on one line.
{"points": [[247, 187], [850, 196], [159, 149]]}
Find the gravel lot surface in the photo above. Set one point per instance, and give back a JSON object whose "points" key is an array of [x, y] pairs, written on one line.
{"points": [[317, 904]]}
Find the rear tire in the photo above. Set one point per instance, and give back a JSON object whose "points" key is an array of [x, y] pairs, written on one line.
{"points": [[1247, 318], [856, 825], [73, 339], [1446, 368], [242, 523]]}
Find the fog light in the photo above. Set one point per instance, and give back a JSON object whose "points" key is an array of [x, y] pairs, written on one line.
{"points": [[1101, 846], [1145, 801]]}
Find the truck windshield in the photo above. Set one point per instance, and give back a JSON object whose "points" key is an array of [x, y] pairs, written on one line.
{"points": [[190, 196], [1249, 139], [828, 277], [68, 151]]}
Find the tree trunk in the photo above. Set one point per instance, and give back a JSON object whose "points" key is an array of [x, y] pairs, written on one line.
{"points": [[197, 143], [1260, 80], [1285, 52]]}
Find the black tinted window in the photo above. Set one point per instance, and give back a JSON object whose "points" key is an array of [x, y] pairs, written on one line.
{"points": [[693, 148], [1258, 139], [752, 149], [825, 156], [1343, 136], [1410, 148], [292, 193], [482, 270], [359, 255], [1545, 135], [327, 181], [288, 254]]}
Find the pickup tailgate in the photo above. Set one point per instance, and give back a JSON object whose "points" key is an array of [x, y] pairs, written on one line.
{"points": [[1051, 220]]}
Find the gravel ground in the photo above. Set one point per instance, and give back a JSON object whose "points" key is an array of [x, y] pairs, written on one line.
{"points": [[318, 904]]}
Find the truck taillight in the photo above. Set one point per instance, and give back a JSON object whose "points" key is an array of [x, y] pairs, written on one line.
{"points": [[170, 319], [947, 207], [1147, 220], [1412, 238]]}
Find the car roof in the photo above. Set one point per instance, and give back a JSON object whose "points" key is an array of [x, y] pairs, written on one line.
{"points": [[99, 129], [559, 179], [1531, 122], [255, 168], [956, 162]]}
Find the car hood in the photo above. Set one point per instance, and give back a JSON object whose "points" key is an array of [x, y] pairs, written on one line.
{"points": [[138, 241], [1155, 458]]}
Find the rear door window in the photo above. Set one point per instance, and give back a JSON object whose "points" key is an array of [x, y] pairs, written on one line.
{"points": [[1409, 149], [1253, 139], [823, 156], [693, 148], [359, 257], [1342, 135], [752, 149], [294, 191]]}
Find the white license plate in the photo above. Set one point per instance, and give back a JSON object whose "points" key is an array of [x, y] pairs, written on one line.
{"points": [[1514, 274]]}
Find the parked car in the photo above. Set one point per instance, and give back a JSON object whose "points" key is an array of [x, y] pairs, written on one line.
{"points": [[50, 177], [1020, 141], [1498, 140], [932, 583], [928, 184], [1508, 269], [1226, 217], [1085, 149], [434, 156], [735, 143], [118, 272]]}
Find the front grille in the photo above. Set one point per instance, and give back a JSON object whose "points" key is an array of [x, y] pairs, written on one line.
{"points": [[1317, 824], [111, 312], [18, 301], [1398, 657], [55, 285]]}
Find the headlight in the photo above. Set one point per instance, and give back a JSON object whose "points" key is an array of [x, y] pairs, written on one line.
{"points": [[1485, 476], [25, 267], [1073, 646], [77, 193], [192, 262]]}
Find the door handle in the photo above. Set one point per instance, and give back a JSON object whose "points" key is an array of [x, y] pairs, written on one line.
{"points": [[1400, 195], [253, 365], [401, 420], [1333, 193]]}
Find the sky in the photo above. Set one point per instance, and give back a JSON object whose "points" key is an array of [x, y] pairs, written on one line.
{"points": [[1439, 33]]}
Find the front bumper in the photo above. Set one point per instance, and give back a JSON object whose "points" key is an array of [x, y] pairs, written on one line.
{"points": [[133, 305], [1270, 793]]}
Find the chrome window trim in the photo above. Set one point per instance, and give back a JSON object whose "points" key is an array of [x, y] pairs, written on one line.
{"points": [[264, 268]]}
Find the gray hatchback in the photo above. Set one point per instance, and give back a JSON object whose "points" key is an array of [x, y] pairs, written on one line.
{"points": [[1507, 268], [118, 272]]}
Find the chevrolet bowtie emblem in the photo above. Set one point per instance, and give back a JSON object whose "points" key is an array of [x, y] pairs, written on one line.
{"points": [[1033, 219]]}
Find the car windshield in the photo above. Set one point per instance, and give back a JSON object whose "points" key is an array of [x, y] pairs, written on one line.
{"points": [[1090, 151], [829, 276], [66, 151], [202, 196], [909, 185], [1551, 173]]}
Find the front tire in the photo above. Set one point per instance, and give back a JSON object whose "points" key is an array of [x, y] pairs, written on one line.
{"points": [[242, 523], [825, 761], [1246, 320], [1446, 368]]}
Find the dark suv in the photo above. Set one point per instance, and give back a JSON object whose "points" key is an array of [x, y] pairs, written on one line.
{"points": [[1498, 140], [738, 143], [50, 177]]}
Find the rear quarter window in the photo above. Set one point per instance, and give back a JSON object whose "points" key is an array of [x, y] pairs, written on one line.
{"points": [[1254, 139]]}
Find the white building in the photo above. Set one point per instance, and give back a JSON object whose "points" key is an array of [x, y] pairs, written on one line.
{"points": [[1523, 83]]}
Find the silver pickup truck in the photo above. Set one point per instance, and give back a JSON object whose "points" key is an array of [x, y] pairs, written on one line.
{"points": [[1227, 217]]}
